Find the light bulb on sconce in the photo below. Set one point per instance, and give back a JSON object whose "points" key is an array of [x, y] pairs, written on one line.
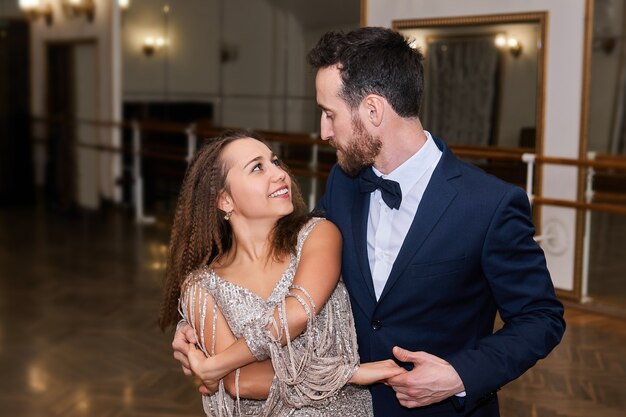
{"points": [[123, 4], [152, 44], [500, 41], [34, 9], [512, 44], [515, 48]]}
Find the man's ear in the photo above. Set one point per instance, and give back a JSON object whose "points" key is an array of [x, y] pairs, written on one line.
{"points": [[374, 107], [225, 202]]}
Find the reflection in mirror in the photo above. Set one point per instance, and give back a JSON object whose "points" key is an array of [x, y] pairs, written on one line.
{"points": [[607, 95], [606, 138], [482, 78], [211, 64], [208, 61]]}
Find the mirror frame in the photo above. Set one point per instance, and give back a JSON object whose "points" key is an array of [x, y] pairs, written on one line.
{"points": [[540, 18]]}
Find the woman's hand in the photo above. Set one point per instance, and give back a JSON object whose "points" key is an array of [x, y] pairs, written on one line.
{"points": [[373, 372], [184, 336], [207, 369]]}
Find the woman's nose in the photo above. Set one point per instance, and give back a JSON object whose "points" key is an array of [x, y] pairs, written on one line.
{"points": [[278, 174]]}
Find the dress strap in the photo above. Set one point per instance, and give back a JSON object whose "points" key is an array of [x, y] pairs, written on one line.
{"points": [[304, 233]]}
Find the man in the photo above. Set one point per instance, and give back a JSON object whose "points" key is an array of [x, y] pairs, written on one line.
{"points": [[433, 247]]}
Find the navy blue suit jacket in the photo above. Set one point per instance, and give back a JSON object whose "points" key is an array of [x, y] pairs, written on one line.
{"points": [[468, 254]]}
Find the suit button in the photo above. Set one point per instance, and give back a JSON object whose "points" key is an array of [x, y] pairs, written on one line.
{"points": [[377, 324]]}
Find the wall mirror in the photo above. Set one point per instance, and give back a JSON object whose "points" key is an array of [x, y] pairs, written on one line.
{"points": [[605, 135], [483, 78], [606, 130]]}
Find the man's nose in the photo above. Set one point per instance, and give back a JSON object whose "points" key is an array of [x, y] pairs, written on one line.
{"points": [[325, 130]]}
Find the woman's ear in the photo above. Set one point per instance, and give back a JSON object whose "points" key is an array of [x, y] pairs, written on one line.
{"points": [[225, 202]]}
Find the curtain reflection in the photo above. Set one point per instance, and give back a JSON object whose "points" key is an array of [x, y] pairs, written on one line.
{"points": [[461, 89]]}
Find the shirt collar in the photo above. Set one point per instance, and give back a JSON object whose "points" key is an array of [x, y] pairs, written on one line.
{"points": [[412, 170]]}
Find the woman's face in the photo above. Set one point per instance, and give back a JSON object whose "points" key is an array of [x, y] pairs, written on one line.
{"points": [[257, 186]]}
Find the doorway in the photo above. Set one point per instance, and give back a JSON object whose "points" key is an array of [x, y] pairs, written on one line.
{"points": [[71, 103], [16, 171]]}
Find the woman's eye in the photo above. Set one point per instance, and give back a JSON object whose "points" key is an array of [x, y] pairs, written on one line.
{"points": [[257, 167], [276, 162]]}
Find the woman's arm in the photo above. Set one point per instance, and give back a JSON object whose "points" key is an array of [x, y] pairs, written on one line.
{"points": [[373, 372], [317, 273], [255, 379]]}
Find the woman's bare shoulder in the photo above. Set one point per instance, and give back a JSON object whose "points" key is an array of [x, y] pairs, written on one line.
{"points": [[325, 226], [322, 232]]}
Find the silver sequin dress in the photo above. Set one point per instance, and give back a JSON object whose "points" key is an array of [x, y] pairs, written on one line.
{"points": [[311, 372]]}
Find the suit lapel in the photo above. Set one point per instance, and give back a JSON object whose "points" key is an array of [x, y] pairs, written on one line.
{"points": [[436, 199]]}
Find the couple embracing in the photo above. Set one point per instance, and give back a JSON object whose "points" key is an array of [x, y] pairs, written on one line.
{"points": [[384, 306]]}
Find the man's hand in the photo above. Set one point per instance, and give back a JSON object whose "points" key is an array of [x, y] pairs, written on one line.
{"points": [[183, 337], [430, 381]]}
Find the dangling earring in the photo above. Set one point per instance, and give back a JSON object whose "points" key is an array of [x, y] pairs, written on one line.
{"points": [[227, 215]]}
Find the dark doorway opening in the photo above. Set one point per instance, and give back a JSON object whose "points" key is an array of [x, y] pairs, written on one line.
{"points": [[16, 167], [60, 182]]}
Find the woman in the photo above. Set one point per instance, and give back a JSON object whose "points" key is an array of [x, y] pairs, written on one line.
{"points": [[252, 271]]}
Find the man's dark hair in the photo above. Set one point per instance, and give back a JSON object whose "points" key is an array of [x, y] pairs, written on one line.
{"points": [[374, 60]]}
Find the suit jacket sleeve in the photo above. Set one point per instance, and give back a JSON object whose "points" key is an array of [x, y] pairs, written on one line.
{"points": [[515, 269]]}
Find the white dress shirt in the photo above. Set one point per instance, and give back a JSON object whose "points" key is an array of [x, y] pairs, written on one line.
{"points": [[387, 228]]}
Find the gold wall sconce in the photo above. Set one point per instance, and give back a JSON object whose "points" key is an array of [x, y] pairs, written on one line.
{"points": [[75, 8], [152, 44], [512, 44], [34, 9]]}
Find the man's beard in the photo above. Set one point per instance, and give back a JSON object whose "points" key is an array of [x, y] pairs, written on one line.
{"points": [[360, 151]]}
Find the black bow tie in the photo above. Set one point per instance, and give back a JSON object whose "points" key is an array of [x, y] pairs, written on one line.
{"points": [[392, 194]]}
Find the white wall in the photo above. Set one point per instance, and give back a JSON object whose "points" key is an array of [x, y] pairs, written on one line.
{"points": [[563, 94]]}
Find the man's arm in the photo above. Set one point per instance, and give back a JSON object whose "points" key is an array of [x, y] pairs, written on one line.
{"points": [[514, 266]]}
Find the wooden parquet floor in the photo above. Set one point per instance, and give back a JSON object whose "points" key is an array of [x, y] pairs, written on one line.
{"points": [[78, 336]]}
